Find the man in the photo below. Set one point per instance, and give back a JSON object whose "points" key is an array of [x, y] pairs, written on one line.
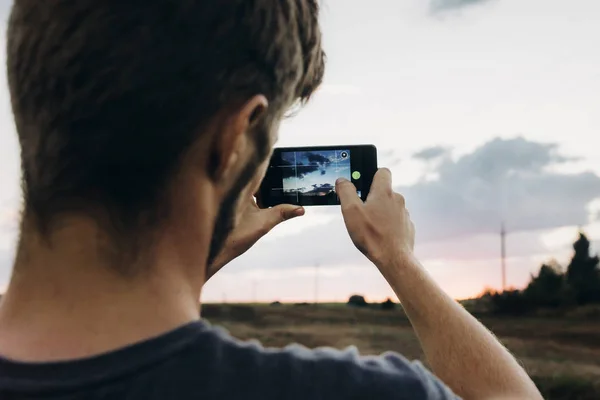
{"points": [[145, 128]]}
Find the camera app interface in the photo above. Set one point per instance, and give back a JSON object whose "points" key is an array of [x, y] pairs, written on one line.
{"points": [[308, 177]]}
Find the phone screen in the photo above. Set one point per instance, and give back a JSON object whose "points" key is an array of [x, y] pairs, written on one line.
{"points": [[306, 175]]}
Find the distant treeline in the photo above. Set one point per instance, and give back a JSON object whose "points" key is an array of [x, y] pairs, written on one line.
{"points": [[360, 302], [554, 287]]}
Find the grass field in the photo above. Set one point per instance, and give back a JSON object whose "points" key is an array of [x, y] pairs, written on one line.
{"points": [[562, 354]]}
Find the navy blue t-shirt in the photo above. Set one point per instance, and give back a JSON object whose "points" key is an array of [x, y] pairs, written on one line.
{"points": [[200, 362]]}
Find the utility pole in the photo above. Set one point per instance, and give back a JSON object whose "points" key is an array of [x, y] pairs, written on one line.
{"points": [[503, 255]]}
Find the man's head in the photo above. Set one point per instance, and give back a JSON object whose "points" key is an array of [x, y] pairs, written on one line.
{"points": [[115, 100]]}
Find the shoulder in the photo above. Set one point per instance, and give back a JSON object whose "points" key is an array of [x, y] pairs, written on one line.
{"points": [[326, 372]]}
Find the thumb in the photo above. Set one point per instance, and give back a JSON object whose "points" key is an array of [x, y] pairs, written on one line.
{"points": [[346, 191], [283, 212]]}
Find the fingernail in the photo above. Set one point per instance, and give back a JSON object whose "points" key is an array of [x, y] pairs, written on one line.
{"points": [[298, 212], [341, 180]]}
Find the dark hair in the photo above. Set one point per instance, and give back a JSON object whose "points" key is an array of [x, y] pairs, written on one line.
{"points": [[109, 95]]}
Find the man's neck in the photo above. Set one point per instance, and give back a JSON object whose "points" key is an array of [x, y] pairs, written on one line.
{"points": [[64, 303]]}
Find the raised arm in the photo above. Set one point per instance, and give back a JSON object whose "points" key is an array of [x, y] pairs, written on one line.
{"points": [[461, 351]]}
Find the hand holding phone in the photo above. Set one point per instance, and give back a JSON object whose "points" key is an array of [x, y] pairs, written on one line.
{"points": [[254, 223], [306, 176], [381, 228]]}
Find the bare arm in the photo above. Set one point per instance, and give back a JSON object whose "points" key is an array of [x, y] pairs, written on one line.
{"points": [[461, 351]]}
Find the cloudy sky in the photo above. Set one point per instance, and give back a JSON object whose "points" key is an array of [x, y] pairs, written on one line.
{"points": [[486, 111]]}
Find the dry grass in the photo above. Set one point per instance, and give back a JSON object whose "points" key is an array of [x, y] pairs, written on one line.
{"points": [[563, 355]]}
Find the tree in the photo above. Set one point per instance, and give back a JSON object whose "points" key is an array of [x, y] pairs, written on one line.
{"points": [[388, 305], [357, 301], [547, 288], [583, 274], [552, 287], [508, 302]]}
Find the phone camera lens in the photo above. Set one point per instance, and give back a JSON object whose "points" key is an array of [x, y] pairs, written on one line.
{"points": [[344, 154]]}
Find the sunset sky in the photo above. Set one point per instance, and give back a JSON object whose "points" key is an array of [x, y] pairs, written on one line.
{"points": [[486, 111]]}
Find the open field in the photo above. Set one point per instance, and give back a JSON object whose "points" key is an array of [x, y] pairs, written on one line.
{"points": [[562, 354]]}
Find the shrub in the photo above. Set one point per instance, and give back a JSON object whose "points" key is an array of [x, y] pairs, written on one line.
{"points": [[357, 301]]}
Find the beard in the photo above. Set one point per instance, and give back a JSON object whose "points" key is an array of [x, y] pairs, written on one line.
{"points": [[225, 221]]}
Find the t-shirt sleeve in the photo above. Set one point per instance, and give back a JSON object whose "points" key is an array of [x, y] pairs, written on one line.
{"points": [[350, 376]]}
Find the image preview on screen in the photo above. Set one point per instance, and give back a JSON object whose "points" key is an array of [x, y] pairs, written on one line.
{"points": [[313, 173]]}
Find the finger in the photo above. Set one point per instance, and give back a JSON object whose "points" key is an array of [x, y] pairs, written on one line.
{"points": [[346, 191], [382, 183], [400, 200], [283, 212]]}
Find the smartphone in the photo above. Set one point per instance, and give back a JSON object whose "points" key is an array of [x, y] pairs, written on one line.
{"points": [[306, 175]]}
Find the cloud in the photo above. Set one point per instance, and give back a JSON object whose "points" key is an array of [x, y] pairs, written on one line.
{"points": [[432, 153], [503, 180], [446, 5], [459, 214], [315, 158], [299, 170]]}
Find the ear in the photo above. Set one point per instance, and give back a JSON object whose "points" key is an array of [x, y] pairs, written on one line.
{"points": [[231, 142]]}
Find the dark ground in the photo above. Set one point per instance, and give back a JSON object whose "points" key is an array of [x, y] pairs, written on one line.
{"points": [[562, 354]]}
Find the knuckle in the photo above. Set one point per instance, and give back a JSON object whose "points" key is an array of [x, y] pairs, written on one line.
{"points": [[400, 199], [282, 215], [388, 191]]}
